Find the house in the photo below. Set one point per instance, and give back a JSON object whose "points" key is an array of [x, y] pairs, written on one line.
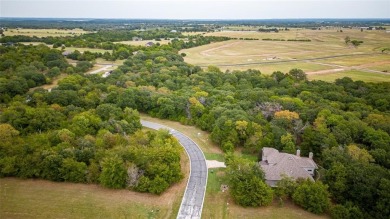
{"points": [[149, 44], [276, 164], [8, 44]]}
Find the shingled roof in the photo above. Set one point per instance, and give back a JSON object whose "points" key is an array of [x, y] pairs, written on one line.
{"points": [[276, 164]]}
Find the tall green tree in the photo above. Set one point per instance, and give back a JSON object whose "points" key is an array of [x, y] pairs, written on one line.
{"points": [[312, 196], [247, 185], [114, 174]]}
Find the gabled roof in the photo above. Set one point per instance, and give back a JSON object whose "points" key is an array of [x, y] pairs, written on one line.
{"points": [[276, 164], [149, 44]]}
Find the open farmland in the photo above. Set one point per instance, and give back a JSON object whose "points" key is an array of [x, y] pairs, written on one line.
{"points": [[326, 51], [143, 42], [44, 32]]}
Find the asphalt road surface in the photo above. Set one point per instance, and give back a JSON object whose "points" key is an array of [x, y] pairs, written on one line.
{"points": [[192, 202]]}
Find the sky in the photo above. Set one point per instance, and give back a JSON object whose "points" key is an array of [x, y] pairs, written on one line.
{"points": [[191, 9]]}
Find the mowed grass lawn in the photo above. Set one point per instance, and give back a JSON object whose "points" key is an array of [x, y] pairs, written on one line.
{"points": [[26, 198], [270, 56], [44, 32]]}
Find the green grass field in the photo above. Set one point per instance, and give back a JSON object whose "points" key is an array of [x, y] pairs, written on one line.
{"points": [[327, 47], [44, 32], [215, 156], [21, 198]]}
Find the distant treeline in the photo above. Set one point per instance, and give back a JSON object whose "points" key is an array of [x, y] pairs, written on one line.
{"points": [[268, 30], [98, 37], [193, 25], [105, 40]]}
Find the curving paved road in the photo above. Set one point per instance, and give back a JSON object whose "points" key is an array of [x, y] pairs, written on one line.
{"points": [[192, 202]]}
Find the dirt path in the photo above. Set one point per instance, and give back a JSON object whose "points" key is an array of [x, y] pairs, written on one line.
{"points": [[105, 67]]}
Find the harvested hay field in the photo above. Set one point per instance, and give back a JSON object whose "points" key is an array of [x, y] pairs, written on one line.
{"points": [[327, 50]]}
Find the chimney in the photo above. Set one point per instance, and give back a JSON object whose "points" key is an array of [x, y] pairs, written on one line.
{"points": [[311, 155], [298, 153]]}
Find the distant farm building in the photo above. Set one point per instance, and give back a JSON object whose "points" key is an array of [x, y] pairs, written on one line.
{"points": [[276, 165], [106, 74], [8, 44], [149, 44]]}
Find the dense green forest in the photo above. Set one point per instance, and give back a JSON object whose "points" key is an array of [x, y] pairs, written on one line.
{"points": [[87, 129]]}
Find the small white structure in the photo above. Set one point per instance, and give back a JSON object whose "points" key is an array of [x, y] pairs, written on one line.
{"points": [[276, 164], [106, 74], [215, 164]]}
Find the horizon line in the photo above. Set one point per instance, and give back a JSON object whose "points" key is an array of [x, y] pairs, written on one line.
{"points": [[209, 19]]}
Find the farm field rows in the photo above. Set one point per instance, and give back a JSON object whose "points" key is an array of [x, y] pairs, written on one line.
{"points": [[326, 51]]}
